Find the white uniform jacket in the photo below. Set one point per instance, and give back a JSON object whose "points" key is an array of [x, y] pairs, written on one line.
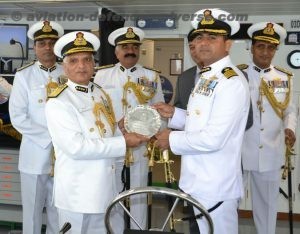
{"points": [[214, 125], [263, 147], [114, 78], [27, 112], [84, 178]]}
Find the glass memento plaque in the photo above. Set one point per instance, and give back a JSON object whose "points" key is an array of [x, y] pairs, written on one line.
{"points": [[143, 120]]}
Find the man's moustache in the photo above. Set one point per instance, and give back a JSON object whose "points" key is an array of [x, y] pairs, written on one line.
{"points": [[130, 55]]}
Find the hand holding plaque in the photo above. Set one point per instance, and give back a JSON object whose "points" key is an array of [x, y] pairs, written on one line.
{"points": [[143, 120]]}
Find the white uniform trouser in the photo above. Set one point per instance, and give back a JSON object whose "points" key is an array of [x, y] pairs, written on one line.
{"points": [[138, 178], [264, 193], [82, 223], [36, 192], [225, 217]]}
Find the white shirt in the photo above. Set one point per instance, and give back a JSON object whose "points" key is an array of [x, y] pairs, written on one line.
{"points": [[263, 147], [27, 113]]}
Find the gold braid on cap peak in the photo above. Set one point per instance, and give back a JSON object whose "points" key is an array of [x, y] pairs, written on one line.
{"points": [[79, 49], [129, 41], [266, 38], [80, 44], [218, 31], [43, 36], [277, 106], [267, 34]]}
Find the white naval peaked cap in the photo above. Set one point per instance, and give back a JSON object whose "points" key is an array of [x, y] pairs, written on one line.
{"points": [[45, 29], [214, 21], [267, 31], [126, 35], [75, 42]]}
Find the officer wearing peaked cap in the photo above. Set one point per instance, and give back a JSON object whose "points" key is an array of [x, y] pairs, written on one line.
{"points": [[267, 32], [131, 84], [32, 84], [85, 138], [274, 123], [76, 42], [211, 130], [45, 29]]}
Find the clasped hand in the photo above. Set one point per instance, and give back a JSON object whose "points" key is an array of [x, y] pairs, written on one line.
{"points": [[132, 139], [165, 111], [162, 139], [290, 137]]}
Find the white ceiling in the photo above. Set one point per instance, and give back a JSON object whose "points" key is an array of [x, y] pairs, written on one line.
{"points": [[132, 7]]}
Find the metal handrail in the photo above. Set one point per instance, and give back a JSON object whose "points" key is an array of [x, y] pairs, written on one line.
{"points": [[159, 190]]}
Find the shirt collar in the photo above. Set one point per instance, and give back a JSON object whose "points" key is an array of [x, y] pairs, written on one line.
{"points": [[217, 66], [80, 88], [50, 69], [205, 69], [123, 69], [255, 68]]}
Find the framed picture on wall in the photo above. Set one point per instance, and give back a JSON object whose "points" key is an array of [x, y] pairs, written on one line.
{"points": [[176, 67], [293, 38]]}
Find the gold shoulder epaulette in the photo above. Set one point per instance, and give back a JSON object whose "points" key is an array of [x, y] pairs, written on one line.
{"points": [[242, 66], [283, 70], [58, 91], [228, 72], [103, 67], [152, 69], [28, 65]]}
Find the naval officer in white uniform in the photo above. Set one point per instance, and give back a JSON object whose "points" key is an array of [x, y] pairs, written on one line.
{"points": [[27, 102], [83, 128], [212, 127], [131, 84], [274, 123]]}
